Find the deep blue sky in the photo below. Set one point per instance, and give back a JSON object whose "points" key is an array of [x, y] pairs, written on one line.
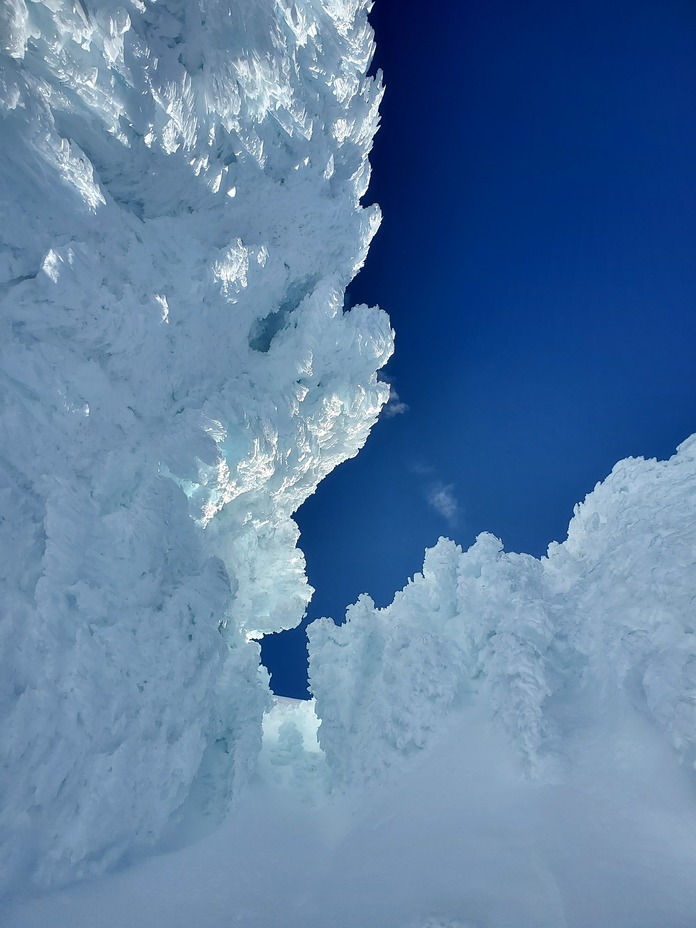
{"points": [[536, 167]]}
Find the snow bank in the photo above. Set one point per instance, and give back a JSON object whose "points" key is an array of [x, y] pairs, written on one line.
{"points": [[180, 188], [548, 648]]}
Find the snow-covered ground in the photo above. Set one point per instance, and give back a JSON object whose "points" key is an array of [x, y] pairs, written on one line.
{"points": [[460, 836], [510, 743]]}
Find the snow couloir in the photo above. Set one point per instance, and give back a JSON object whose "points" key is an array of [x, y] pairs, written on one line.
{"points": [[180, 187]]}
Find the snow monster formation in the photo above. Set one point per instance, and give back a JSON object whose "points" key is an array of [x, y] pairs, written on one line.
{"points": [[548, 648], [180, 188]]}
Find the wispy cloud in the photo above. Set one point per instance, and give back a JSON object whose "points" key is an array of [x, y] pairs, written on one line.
{"points": [[395, 405], [419, 468], [441, 497]]}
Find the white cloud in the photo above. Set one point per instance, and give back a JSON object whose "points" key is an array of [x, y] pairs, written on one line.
{"points": [[395, 406], [442, 499], [420, 468]]}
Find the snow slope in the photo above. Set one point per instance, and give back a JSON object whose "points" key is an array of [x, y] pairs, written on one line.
{"points": [[180, 188]]}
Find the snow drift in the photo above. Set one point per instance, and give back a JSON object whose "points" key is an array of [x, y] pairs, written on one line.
{"points": [[180, 188]]}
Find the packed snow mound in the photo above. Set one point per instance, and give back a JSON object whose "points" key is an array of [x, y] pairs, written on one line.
{"points": [[547, 647], [180, 187]]}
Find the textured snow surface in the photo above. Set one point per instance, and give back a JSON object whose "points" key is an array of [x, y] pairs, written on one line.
{"points": [[179, 191], [458, 837]]}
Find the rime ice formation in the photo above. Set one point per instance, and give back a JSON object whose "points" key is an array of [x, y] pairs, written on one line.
{"points": [[180, 188], [548, 648]]}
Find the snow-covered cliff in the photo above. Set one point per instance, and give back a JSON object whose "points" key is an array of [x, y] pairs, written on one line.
{"points": [[180, 188]]}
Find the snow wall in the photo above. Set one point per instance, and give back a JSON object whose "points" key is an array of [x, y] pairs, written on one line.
{"points": [[180, 188], [545, 648]]}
